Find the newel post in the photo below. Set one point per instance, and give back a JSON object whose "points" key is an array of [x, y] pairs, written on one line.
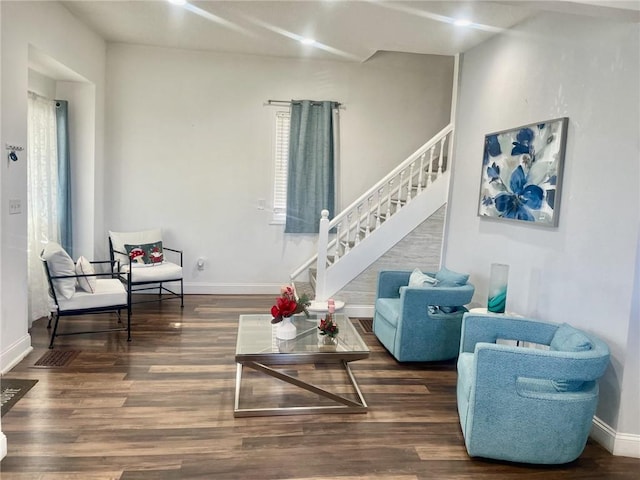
{"points": [[321, 266]]}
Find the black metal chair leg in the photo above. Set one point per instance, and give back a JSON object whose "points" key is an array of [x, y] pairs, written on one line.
{"points": [[55, 329], [129, 323], [181, 293]]}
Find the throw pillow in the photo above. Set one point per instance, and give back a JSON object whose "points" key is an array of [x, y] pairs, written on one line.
{"points": [[570, 339], [84, 267], [60, 264], [147, 254], [419, 279], [449, 278], [120, 239]]}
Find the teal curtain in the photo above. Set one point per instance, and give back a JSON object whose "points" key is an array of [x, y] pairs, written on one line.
{"points": [[311, 170], [64, 177]]}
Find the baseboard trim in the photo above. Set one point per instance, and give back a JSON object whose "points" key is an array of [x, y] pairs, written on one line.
{"points": [[619, 444], [365, 311], [232, 288], [627, 445], [15, 353]]}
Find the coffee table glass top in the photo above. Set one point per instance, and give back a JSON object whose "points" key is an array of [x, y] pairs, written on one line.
{"points": [[257, 336]]}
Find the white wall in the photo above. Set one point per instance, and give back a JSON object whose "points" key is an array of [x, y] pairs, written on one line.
{"points": [[629, 420], [581, 272], [189, 147], [41, 84], [48, 28]]}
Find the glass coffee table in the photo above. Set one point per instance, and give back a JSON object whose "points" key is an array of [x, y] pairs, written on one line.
{"points": [[259, 349]]}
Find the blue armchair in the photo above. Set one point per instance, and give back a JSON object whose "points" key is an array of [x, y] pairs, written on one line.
{"points": [[531, 403], [419, 324]]}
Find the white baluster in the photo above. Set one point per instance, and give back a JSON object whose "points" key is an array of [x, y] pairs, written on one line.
{"points": [[348, 235], [336, 255], [380, 191], [399, 204], [441, 159], [389, 192], [367, 230], [410, 182], [421, 175], [359, 215], [430, 165]]}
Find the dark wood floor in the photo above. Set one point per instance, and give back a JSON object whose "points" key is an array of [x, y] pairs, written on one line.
{"points": [[161, 407]]}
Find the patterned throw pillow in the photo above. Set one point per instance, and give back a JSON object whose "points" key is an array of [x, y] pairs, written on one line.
{"points": [[145, 255]]}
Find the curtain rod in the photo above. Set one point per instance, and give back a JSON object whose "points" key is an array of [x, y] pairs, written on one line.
{"points": [[289, 102]]}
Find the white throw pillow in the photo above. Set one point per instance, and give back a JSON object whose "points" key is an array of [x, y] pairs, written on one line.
{"points": [[84, 267], [419, 279], [60, 263]]}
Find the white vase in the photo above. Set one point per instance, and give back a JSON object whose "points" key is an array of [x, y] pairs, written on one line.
{"points": [[286, 330]]}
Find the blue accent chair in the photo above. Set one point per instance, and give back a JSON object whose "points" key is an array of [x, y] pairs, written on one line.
{"points": [[410, 321], [527, 403]]}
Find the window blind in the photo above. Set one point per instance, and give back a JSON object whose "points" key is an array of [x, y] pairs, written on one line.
{"points": [[281, 163]]}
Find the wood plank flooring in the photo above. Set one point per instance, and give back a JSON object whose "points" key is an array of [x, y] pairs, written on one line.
{"points": [[161, 407]]}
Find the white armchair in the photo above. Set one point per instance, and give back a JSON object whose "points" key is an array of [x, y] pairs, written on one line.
{"points": [[77, 289], [142, 254]]}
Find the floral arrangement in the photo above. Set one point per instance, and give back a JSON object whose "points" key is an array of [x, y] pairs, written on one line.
{"points": [[328, 325], [288, 304]]}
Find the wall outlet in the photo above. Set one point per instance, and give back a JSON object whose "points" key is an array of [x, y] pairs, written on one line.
{"points": [[15, 206]]}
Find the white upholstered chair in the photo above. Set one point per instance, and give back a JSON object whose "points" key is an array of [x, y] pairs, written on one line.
{"points": [[77, 289], [144, 255]]}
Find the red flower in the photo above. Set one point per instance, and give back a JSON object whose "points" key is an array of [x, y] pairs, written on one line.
{"points": [[284, 307], [328, 326]]}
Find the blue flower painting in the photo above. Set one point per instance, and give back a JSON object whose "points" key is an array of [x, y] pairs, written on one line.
{"points": [[521, 172]]}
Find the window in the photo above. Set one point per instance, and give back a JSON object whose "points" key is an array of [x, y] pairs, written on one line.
{"points": [[281, 165]]}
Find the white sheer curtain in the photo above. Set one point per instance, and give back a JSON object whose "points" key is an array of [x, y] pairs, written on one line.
{"points": [[42, 197]]}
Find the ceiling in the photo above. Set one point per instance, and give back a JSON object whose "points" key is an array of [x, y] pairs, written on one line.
{"points": [[343, 30]]}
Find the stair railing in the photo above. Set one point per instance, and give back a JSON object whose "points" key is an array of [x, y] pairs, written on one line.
{"points": [[367, 213]]}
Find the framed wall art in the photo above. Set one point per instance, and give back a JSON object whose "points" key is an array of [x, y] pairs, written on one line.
{"points": [[522, 173]]}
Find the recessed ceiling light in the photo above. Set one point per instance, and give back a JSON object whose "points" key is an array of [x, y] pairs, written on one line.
{"points": [[307, 41], [462, 22], [178, 2]]}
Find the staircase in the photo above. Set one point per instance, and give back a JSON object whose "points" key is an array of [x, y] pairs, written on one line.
{"points": [[379, 218]]}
